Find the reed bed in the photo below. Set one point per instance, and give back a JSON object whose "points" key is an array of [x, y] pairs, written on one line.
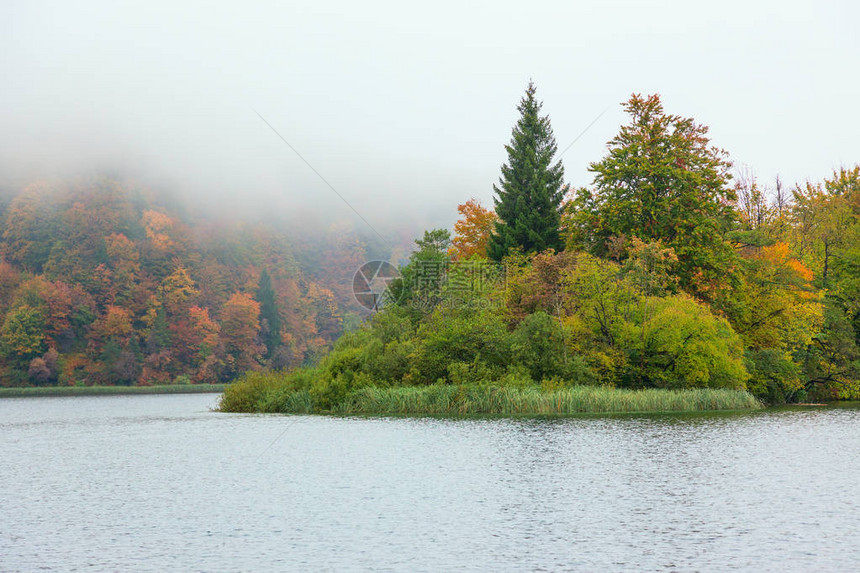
{"points": [[286, 401], [453, 400], [491, 400]]}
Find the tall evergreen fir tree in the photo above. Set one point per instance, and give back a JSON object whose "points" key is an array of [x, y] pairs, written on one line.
{"points": [[270, 320], [530, 191]]}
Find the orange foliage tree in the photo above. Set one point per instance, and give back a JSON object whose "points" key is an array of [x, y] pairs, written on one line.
{"points": [[240, 329], [472, 230]]}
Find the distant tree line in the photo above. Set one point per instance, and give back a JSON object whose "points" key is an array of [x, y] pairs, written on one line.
{"points": [[102, 282]]}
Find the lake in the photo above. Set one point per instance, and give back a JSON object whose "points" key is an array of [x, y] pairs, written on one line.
{"points": [[162, 483]]}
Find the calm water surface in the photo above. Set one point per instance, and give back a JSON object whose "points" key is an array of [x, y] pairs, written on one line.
{"points": [[161, 483]]}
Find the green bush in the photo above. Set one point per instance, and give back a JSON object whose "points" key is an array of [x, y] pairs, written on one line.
{"points": [[250, 392], [676, 342], [327, 393], [469, 335]]}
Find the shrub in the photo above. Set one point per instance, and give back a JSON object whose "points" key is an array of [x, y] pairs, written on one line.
{"points": [[460, 335], [676, 342], [249, 393]]}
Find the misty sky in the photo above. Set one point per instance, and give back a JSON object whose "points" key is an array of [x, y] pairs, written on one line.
{"points": [[405, 109]]}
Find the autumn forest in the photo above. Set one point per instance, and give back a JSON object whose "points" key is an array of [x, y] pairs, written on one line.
{"points": [[103, 283]]}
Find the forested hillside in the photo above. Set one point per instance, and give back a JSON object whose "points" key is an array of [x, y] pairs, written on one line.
{"points": [[102, 282]]}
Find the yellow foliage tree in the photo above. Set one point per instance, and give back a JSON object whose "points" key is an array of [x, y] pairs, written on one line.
{"points": [[472, 231]]}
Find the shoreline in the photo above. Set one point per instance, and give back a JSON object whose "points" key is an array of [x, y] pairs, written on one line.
{"points": [[58, 391]]}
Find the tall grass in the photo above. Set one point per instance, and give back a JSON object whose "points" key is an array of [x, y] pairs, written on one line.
{"points": [[265, 395], [439, 399], [108, 390]]}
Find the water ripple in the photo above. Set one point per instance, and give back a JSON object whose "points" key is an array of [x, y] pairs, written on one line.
{"points": [[161, 483]]}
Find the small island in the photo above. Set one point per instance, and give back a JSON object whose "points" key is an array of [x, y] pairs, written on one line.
{"points": [[664, 287]]}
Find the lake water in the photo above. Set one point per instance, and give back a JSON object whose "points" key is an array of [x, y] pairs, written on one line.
{"points": [[161, 483]]}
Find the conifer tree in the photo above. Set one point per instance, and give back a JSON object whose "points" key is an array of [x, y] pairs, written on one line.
{"points": [[270, 320], [530, 191]]}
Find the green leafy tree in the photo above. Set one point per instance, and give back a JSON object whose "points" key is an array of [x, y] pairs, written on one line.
{"points": [[822, 222], [661, 181], [530, 191], [421, 281], [826, 237], [776, 312], [831, 364], [539, 345]]}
